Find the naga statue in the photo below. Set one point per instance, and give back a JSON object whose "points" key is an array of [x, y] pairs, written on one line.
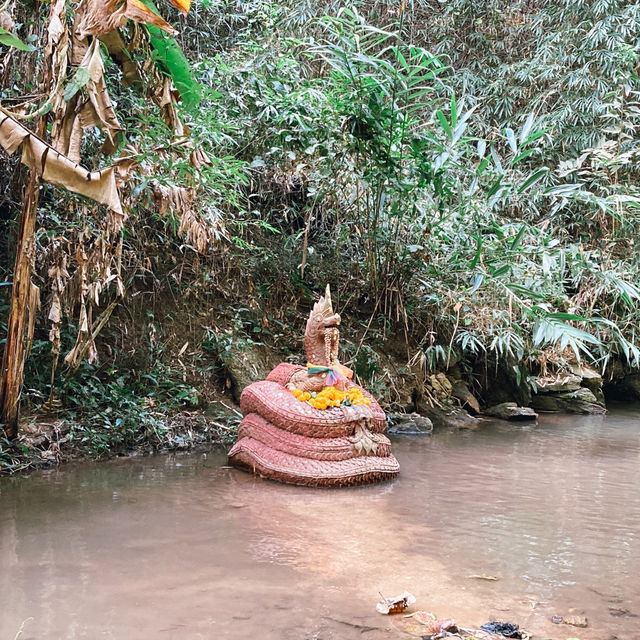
{"points": [[312, 425]]}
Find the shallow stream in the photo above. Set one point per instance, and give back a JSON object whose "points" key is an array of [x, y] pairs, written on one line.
{"points": [[185, 547]]}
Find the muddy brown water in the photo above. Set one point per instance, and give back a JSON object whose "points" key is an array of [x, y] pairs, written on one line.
{"points": [[184, 547]]}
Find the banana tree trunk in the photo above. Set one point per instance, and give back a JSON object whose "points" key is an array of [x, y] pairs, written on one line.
{"points": [[25, 297]]}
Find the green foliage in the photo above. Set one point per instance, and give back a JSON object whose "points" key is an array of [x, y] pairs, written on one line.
{"points": [[463, 174], [460, 197], [13, 457], [9, 40], [169, 55], [114, 409]]}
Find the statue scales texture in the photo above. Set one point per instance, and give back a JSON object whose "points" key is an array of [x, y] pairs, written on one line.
{"points": [[312, 425]]}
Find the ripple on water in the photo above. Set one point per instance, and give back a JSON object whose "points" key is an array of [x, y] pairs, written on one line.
{"points": [[140, 547]]}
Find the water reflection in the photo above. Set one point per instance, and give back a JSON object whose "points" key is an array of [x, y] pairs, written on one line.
{"points": [[182, 546]]}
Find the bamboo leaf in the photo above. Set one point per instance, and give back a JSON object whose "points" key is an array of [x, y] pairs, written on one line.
{"points": [[526, 128], [444, 124], [477, 282], [511, 139], [454, 111], [532, 179], [518, 239]]}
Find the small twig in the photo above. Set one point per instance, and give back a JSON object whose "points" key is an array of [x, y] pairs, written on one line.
{"points": [[21, 629]]}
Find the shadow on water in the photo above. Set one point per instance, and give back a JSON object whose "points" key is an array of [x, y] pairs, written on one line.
{"points": [[184, 547]]}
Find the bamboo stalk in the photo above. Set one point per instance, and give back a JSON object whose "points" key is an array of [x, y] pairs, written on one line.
{"points": [[24, 303]]}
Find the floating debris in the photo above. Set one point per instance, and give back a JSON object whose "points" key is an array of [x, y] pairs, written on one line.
{"points": [[506, 629], [574, 621], [395, 605]]}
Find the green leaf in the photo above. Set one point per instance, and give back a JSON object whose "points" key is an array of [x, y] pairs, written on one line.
{"points": [[525, 291], [70, 90], [476, 258], [534, 136], [401, 58], [518, 239], [533, 178], [80, 80], [171, 59], [9, 40], [444, 123], [168, 54], [82, 76], [454, 111], [494, 187], [523, 155], [482, 166], [496, 273]]}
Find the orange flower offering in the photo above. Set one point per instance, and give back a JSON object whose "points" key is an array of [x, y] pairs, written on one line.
{"points": [[332, 397]]}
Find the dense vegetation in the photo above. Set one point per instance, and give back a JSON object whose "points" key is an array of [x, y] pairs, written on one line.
{"points": [[464, 175]]}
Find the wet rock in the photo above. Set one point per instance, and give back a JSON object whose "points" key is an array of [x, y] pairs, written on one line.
{"points": [[558, 385], [617, 612], [580, 400], [591, 379], [409, 424], [511, 411], [450, 417], [439, 385], [460, 390], [246, 362]]}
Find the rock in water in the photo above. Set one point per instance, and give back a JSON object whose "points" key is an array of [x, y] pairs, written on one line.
{"points": [[455, 418], [410, 424], [511, 411], [579, 401]]}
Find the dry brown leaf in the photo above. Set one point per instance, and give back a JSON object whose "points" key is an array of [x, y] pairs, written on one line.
{"points": [[199, 159], [56, 28], [102, 16], [56, 168], [120, 53], [6, 21], [97, 111], [199, 232], [139, 12]]}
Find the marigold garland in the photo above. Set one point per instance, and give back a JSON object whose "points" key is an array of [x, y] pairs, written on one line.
{"points": [[332, 397]]}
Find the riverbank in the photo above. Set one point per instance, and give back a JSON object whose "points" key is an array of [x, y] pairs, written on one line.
{"points": [[169, 408]]}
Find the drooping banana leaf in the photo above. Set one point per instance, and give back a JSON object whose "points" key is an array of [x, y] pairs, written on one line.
{"points": [[168, 54]]}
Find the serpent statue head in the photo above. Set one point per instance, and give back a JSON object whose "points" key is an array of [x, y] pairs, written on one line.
{"points": [[322, 336]]}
